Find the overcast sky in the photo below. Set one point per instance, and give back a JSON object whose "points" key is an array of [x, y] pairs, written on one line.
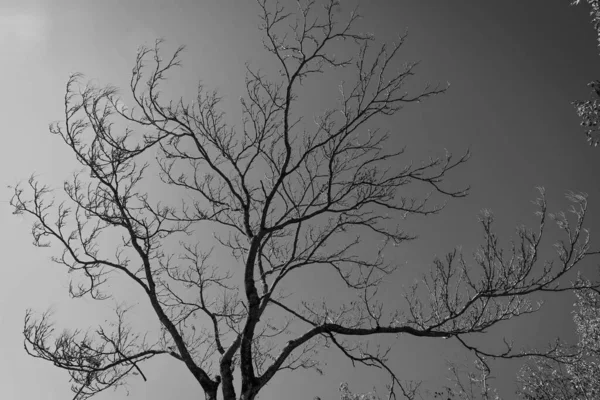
{"points": [[514, 67]]}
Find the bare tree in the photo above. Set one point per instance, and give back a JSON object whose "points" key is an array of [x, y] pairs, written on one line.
{"points": [[281, 196]]}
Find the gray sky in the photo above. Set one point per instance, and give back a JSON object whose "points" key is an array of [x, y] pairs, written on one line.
{"points": [[514, 66]]}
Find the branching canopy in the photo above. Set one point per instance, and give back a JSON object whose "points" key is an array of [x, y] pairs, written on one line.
{"points": [[281, 195]]}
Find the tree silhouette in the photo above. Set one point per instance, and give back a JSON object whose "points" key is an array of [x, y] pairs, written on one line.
{"points": [[281, 196]]}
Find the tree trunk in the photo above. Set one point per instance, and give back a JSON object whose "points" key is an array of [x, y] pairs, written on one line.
{"points": [[210, 395], [248, 395]]}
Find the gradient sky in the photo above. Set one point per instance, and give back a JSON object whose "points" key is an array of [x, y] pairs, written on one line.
{"points": [[514, 66]]}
